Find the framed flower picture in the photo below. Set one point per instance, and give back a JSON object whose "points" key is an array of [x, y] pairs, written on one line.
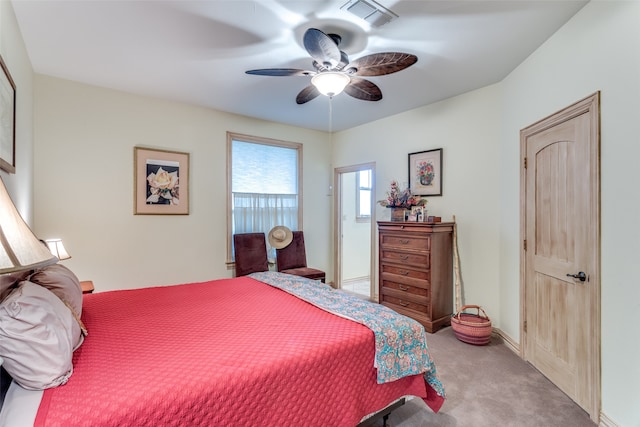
{"points": [[7, 120], [425, 172], [161, 182]]}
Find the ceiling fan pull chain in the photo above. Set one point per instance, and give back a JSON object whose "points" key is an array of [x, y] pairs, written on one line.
{"points": [[331, 115]]}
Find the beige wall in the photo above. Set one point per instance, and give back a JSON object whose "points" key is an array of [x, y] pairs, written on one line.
{"points": [[467, 129], [84, 190], [599, 49], [12, 49]]}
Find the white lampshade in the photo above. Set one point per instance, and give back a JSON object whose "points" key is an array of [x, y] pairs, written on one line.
{"points": [[330, 83], [57, 248], [19, 248]]}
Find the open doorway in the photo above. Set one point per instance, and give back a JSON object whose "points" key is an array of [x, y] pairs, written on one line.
{"points": [[354, 229]]}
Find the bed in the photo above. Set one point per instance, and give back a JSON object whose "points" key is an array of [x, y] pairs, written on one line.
{"points": [[268, 349]]}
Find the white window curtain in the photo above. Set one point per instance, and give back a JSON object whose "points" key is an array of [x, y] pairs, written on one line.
{"points": [[255, 212]]}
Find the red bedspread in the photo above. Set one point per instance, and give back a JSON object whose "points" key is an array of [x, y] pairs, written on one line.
{"points": [[231, 352]]}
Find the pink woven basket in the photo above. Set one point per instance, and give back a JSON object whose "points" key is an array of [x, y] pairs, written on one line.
{"points": [[472, 328]]}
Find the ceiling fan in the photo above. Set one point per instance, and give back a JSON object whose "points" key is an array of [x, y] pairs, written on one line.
{"points": [[334, 73]]}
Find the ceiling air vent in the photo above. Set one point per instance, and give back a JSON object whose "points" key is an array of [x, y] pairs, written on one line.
{"points": [[371, 11]]}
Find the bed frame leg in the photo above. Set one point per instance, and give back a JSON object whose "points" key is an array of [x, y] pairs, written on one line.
{"points": [[384, 414]]}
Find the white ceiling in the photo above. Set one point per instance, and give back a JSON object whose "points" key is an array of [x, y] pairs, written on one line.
{"points": [[197, 52]]}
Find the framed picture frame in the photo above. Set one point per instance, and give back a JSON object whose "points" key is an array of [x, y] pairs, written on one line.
{"points": [[7, 120], [161, 182], [419, 212], [425, 172]]}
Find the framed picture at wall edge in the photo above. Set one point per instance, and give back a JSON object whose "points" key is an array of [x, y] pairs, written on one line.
{"points": [[161, 182], [425, 172], [7, 120]]}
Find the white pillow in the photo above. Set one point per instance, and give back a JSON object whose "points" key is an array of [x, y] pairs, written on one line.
{"points": [[8, 280], [62, 282], [38, 333]]}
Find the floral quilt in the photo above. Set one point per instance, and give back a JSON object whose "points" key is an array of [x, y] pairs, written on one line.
{"points": [[401, 345]]}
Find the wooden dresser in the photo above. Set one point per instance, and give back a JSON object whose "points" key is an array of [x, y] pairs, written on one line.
{"points": [[416, 270]]}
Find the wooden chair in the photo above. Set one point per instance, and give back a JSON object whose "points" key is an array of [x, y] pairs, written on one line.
{"points": [[292, 259], [250, 250]]}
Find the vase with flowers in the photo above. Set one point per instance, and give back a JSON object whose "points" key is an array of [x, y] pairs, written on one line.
{"points": [[400, 201]]}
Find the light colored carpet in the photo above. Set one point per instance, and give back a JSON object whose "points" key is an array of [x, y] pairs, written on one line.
{"points": [[489, 386]]}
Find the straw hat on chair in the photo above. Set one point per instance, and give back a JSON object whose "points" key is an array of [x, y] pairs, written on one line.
{"points": [[280, 237]]}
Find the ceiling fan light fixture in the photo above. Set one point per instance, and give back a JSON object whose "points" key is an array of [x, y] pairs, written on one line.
{"points": [[330, 83]]}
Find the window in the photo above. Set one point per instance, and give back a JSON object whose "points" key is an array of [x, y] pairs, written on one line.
{"points": [[264, 189], [363, 195]]}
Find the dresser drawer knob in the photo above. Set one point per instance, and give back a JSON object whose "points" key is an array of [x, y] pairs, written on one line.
{"points": [[404, 257], [404, 304], [403, 288], [404, 272], [404, 241]]}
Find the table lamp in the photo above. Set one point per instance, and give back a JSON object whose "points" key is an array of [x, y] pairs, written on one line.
{"points": [[20, 249], [57, 248]]}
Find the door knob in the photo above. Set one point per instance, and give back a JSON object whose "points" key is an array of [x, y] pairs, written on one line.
{"points": [[581, 275]]}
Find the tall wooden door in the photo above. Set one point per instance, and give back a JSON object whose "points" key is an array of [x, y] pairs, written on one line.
{"points": [[560, 279]]}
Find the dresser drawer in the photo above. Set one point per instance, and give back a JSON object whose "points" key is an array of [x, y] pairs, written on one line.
{"points": [[396, 287], [418, 259], [404, 272], [413, 242], [404, 304], [417, 279]]}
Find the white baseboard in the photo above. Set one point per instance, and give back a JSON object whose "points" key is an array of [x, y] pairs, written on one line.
{"points": [[606, 421], [355, 280], [508, 341]]}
